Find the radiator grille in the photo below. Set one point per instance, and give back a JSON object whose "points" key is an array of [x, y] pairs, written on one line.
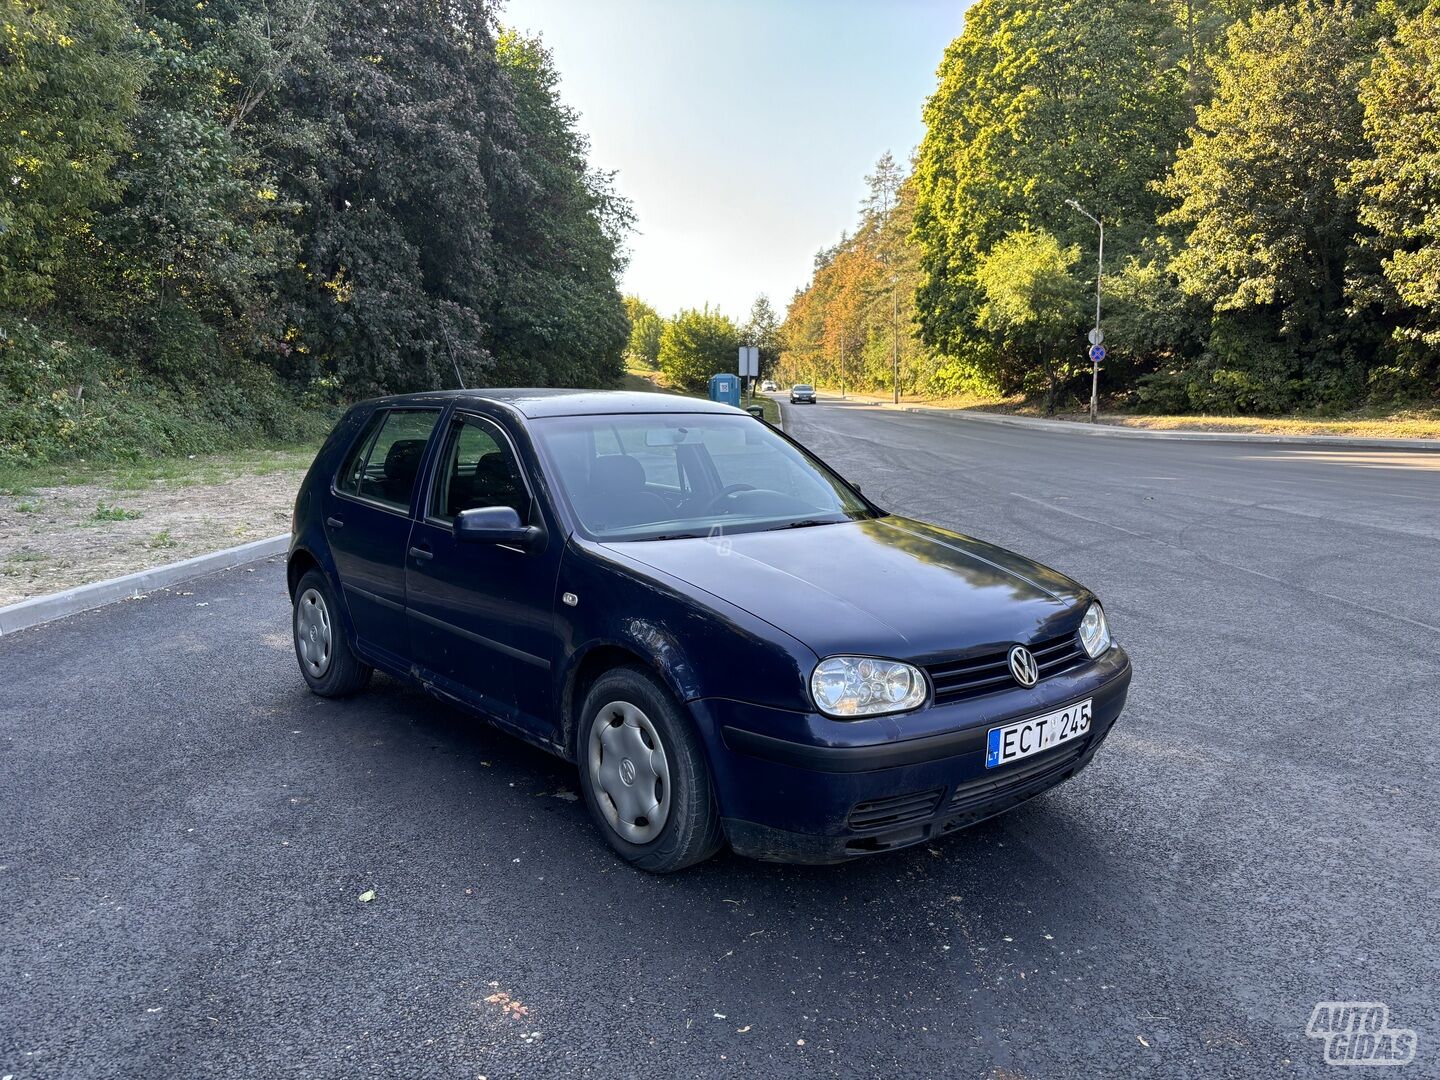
{"points": [[971, 676]]}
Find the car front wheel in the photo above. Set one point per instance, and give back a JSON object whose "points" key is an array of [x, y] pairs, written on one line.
{"points": [[644, 774], [322, 647]]}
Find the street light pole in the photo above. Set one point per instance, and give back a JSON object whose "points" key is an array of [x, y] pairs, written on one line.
{"points": [[1099, 277]]}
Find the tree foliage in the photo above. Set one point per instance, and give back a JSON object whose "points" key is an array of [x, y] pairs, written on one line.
{"points": [[1399, 190], [1267, 172], [1270, 227], [762, 330], [857, 316], [696, 344], [1030, 302], [1038, 103], [646, 328], [322, 199], [70, 81]]}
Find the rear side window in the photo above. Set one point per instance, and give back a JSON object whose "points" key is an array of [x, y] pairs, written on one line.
{"points": [[385, 461]]}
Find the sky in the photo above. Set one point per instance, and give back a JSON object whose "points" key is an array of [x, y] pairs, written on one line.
{"points": [[740, 130]]}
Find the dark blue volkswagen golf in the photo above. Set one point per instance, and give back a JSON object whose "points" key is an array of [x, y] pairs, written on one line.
{"points": [[732, 643]]}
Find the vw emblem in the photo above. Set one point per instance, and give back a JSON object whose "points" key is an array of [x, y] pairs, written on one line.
{"points": [[1023, 666], [627, 770]]}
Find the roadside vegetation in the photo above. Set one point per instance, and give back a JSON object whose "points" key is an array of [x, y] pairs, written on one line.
{"points": [[66, 523], [644, 378], [1267, 174], [223, 220]]}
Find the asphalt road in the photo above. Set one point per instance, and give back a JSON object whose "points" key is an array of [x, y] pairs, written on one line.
{"points": [[186, 831]]}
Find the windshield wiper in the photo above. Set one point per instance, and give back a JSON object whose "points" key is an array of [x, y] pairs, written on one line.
{"points": [[670, 536], [807, 523]]}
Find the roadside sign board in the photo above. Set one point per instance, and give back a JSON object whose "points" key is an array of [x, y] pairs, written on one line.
{"points": [[1097, 336], [1097, 353], [749, 362]]}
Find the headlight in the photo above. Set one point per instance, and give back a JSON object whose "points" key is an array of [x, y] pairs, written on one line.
{"points": [[864, 686], [1094, 632]]}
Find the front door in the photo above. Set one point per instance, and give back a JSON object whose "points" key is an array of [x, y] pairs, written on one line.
{"points": [[368, 520], [481, 615]]}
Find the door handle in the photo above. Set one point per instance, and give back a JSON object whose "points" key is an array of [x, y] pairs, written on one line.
{"points": [[334, 523], [422, 553]]}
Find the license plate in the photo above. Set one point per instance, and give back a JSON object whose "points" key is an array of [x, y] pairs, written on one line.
{"points": [[1039, 733]]}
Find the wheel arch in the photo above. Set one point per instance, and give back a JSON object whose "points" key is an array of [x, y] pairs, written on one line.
{"points": [[301, 563], [589, 664]]}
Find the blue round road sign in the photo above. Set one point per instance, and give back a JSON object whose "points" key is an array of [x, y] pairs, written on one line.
{"points": [[1097, 353]]}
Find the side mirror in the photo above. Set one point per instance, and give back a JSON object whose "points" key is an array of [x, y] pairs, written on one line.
{"points": [[495, 525]]}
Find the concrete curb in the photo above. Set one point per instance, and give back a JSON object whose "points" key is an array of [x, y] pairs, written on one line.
{"points": [[1353, 442], [43, 609]]}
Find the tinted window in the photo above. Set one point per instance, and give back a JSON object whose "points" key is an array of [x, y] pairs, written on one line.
{"points": [[477, 469], [386, 460], [666, 474]]}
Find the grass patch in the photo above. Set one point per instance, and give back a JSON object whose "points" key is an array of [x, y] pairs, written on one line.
{"points": [[107, 512], [161, 540], [1391, 426], [177, 471], [25, 556], [27, 508]]}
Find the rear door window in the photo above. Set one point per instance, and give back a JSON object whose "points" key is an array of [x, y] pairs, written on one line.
{"points": [[385, 463]]}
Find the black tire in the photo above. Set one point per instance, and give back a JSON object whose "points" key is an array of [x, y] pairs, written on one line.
{"points": [[343, 673], [691, 832]]}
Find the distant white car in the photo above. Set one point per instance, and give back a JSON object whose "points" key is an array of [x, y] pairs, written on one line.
{"points": [[768, 386]]}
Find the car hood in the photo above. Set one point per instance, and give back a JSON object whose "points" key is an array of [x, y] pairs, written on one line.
{"points": [[889, 587]]}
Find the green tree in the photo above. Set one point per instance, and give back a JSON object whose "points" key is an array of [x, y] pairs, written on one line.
{"points": [[557, 317], [1270, 228], [762, 329], [1032, 305], [697, 344], [1038, 103], [1398, 187], [395, 281], [646, 329], [70, 74], [199, 232]]}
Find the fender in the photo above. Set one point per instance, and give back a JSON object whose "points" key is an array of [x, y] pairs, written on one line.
{"points": [[673, 631]]}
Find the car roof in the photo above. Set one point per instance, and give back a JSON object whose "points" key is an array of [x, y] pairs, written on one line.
{"points": [[533, 402]]}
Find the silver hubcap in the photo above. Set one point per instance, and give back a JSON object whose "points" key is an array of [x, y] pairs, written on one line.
{"points": [[629, 772], [312, 632]]}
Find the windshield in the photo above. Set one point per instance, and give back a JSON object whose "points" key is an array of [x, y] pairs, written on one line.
{"points": [[663, 476], [804, 386]]}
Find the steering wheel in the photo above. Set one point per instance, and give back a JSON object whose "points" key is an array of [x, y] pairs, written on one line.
{"points": [[724, 493]]}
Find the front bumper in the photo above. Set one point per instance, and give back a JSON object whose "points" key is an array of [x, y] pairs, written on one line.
{"points": [[800, 787]]}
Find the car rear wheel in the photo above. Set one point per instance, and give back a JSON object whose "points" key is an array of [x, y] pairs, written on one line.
{"points": [[644, 774], [330, 667]]}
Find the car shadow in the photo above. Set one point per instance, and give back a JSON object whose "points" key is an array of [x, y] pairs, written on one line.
{"points": [[471, 765]]}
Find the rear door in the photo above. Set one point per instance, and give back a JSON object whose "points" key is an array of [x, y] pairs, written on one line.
{"points": [[369, 513], [482, 615]]}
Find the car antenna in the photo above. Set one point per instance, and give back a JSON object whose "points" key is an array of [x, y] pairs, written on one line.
{"points": [[459, 379]]}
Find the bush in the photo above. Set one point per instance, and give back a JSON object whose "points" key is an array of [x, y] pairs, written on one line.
{"points": [[61, 399], [696, 345]]}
